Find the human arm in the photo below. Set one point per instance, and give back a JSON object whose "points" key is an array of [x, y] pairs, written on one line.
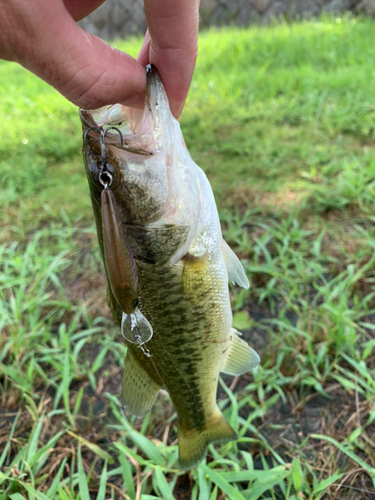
{"points": [[43, 36]]}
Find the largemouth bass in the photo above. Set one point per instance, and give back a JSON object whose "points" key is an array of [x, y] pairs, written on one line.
{"points": [[167, 266]]}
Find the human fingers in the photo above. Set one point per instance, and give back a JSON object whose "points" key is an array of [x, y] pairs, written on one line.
{"points": [[79, 9], [42, 36], [172, 45], [144, 53]]}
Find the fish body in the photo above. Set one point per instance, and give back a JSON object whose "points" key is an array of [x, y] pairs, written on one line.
{"points": [[166, 209]]}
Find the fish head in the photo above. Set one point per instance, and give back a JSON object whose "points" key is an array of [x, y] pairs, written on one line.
{"points": [[141, 159], [152, 176]]}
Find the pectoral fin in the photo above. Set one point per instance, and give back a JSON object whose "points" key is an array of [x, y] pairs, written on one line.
{"points": [[241, 357], [236, 273], [139, 390]]}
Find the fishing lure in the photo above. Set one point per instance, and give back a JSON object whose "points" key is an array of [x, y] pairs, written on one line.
{"points": [[118, 257]]}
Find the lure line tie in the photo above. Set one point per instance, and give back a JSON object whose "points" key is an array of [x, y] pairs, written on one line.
{"points": [[105, 177]]}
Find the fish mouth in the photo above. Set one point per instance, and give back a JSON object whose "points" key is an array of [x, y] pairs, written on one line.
{"points": [[125, 128], [125, 138]]}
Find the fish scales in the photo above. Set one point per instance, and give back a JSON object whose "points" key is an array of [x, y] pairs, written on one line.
{"points": [[185, 320], [169, 218]]}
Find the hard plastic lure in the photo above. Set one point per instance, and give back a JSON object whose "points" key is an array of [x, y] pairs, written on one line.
{"points": [[118, 257]]}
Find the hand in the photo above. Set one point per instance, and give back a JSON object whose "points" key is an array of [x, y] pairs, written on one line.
{"points": [[171, 44], [43, 36]]}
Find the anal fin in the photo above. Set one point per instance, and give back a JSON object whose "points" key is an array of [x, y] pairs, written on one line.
{"points": [[236, 273], [139, 389], [241, 357]]}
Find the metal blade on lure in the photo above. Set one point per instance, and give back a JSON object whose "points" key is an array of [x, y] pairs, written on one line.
{"points": [[135, 328]]}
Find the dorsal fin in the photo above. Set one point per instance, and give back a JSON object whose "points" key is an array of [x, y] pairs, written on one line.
{"points": [[236, 273]]}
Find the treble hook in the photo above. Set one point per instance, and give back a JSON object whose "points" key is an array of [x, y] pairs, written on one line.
{"points": [[102, 134], [119, 132], [102, 147], [86, 133]]}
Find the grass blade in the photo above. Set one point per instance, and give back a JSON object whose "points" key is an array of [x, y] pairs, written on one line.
{"points": [[216, 478], [82, 479], [348, 452], [103, 483], [162, 485]]}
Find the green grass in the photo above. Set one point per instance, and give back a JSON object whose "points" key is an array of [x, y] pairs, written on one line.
{"points": [[282, 119]]}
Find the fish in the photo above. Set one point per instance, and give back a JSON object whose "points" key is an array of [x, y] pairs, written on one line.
{"points": [[167, 266]]}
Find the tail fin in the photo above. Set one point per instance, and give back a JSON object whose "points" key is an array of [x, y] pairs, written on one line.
{"points": [[192, 443]]}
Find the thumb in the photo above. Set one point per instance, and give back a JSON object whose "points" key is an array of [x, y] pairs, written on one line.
{"points": [[83, 68]]}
